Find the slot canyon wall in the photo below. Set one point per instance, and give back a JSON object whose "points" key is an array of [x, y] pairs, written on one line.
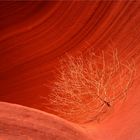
{"points": [[35, 34]]}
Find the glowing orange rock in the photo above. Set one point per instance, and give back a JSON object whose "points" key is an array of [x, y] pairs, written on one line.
{"points": [[22, 123]]}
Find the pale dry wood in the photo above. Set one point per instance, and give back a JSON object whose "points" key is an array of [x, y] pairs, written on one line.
{"points": [[88, 86]]}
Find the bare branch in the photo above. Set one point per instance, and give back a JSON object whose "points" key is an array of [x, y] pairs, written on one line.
{"points": [[89, 85]]}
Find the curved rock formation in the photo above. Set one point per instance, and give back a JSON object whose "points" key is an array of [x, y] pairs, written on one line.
{"points": [[22, 123], [34, 34]]}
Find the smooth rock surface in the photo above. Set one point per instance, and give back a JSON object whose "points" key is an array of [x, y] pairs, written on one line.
{"points": [[33, 35], [22, 123]]}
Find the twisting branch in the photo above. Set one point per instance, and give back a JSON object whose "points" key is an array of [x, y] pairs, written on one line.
{"points": [[89, 85]]}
